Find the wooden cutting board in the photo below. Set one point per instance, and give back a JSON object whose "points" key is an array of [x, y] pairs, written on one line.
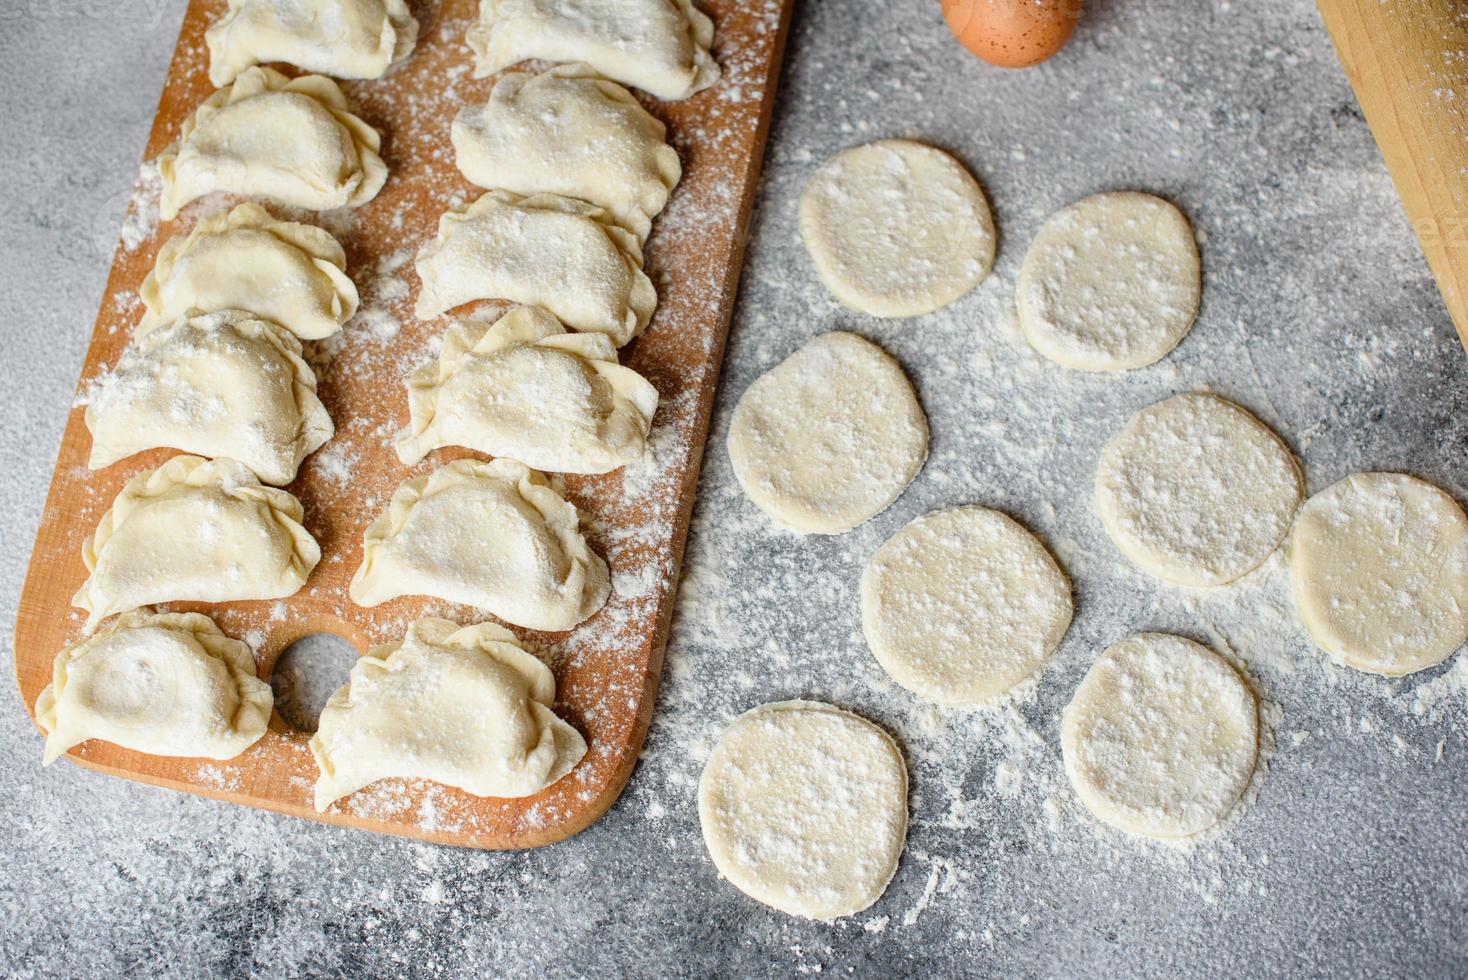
{"points": [[607, 669], [1408, 64]]}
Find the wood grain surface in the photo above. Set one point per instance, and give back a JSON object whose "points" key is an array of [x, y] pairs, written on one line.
{"points": [[607, 669], [1408, 64]]}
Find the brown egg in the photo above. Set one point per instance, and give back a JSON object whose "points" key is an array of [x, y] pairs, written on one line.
{"points": [[1012, 33]]}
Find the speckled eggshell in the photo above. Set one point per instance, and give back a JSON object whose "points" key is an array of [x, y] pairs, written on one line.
{"points": [[1012, 33]]}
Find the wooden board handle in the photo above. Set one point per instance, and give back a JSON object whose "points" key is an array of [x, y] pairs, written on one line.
{"points": [[1408, 63]]}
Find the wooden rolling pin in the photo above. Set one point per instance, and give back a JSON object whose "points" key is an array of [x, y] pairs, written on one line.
{"points": [[1408, 62]]}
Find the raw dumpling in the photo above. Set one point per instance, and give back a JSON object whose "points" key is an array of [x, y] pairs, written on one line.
{"points": [[568, 132], [544, 250], [291, 274], [491, 535], [341, 38], [216, 384], [195, 530], [659, 46], [466, 707], [290, 140], [165, 684], [528, 389]]}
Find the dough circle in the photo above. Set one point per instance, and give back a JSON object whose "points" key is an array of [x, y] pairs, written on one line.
{"points": [[1379, 572], [963, 604], [1196, 491], [1110, 283], [829, 437], [1161, 738], [804, 808], [896, 228]]}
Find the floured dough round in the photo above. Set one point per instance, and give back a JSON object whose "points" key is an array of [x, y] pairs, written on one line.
{"points": [[962, 604], [1379, 572], [896, 228], [804, 808], [1110, 283], [1161, 737], [829, 437], [1196, 491]]}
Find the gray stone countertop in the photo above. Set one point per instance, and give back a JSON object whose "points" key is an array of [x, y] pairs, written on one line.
{"points": [[1351, 856]]}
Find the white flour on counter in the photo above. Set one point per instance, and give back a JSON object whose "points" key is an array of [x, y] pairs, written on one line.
{"points": [[1318, 315]]}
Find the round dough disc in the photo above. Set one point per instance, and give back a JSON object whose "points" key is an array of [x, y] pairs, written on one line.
{"points": [[963, 604], [1161, 737], [896, 228], [1110, 283], [1196, 491], [1379, 572], [829, 437], [804, 808]]}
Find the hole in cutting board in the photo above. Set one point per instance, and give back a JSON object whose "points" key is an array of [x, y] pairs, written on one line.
{"points": [[307, 673]]}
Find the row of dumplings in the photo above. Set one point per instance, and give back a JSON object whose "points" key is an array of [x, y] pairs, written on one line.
{"points": [[577, 170], [175, 684], [659, 46]]}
